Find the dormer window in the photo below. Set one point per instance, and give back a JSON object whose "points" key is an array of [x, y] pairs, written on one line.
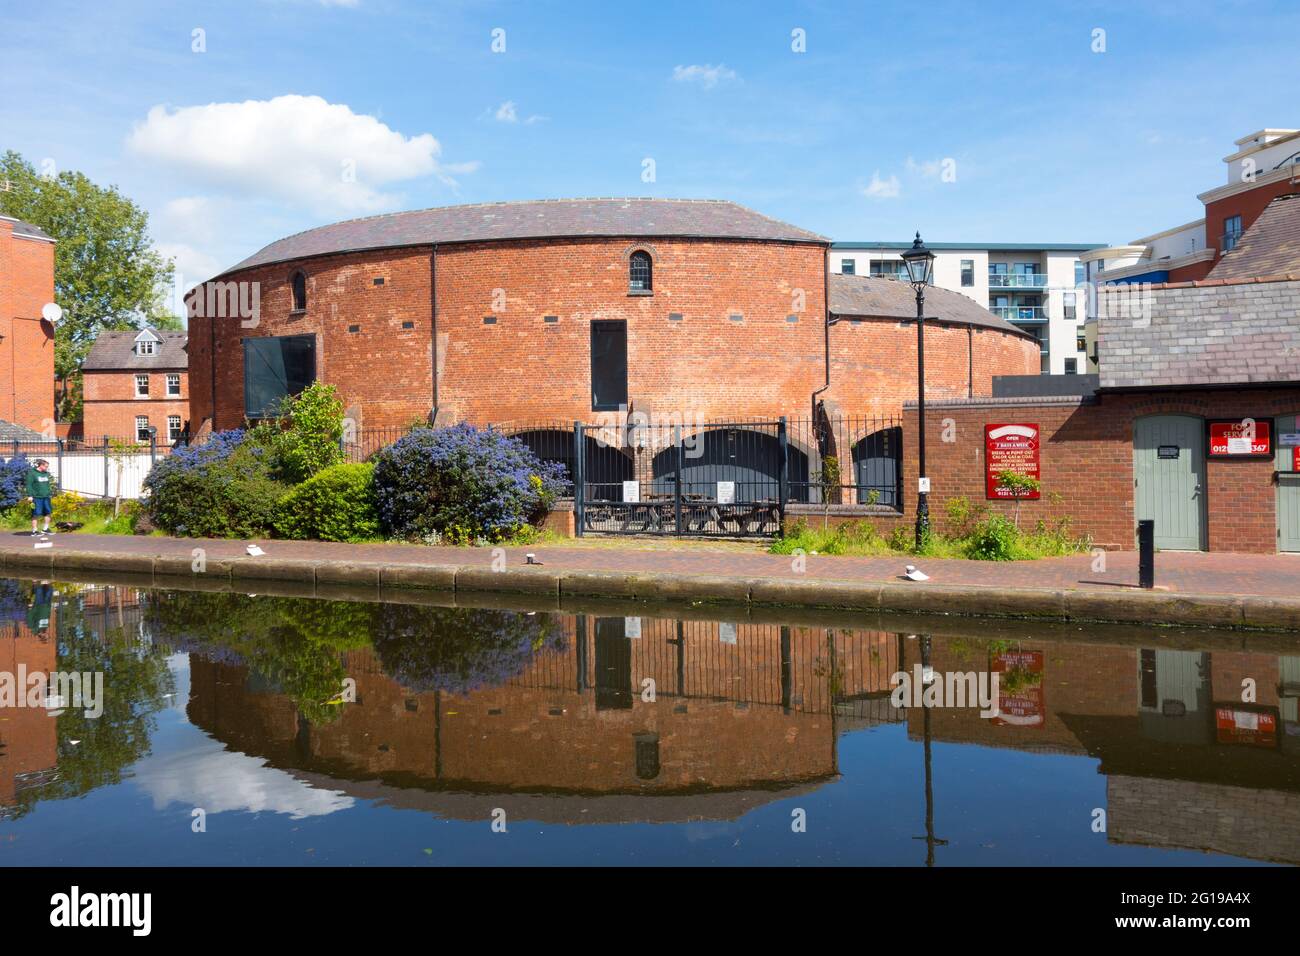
{"points": [[639, 273], [299, 283], [146, 343]]}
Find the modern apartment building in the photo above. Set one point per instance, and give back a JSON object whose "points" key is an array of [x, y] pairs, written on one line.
{"points": [[1264, 165], [1033, 286]]}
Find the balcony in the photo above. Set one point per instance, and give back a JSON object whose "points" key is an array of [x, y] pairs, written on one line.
{"points": [[1020, 280], [1020, 313]]}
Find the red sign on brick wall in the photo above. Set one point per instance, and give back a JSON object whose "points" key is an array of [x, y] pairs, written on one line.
{"points": [[1009, 448], [1241, 438]]}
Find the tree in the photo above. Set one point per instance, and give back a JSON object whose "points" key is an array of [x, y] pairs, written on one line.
{"points": [[1019, 486], [107, 275]]}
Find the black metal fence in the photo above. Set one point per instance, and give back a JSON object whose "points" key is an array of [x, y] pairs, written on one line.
{"points": [[734, 478]]}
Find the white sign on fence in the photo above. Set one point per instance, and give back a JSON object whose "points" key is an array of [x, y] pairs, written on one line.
{"points": [[632, 491], [727, 632], [726, 492], [632, 627]]}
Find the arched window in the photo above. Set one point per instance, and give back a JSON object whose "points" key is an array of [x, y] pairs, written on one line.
{"points": [[299, 283], [638, 272]]}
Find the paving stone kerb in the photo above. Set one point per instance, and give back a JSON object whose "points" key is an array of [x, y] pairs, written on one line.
{"points": [[686, 579]]}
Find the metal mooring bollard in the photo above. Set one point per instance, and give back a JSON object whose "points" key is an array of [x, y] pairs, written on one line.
{"points": [[1147, 554]]}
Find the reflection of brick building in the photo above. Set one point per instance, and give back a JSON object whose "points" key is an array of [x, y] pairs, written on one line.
{"points": [[736, 708], [28, 735], [1149, 717]]}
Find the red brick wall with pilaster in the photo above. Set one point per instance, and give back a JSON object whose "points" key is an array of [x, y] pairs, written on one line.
{"points": [[383, 365], [26, 339], [522, 368], [1086, 462]]}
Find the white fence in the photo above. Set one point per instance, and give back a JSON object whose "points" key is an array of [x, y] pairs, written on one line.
{"points": [[90, 470]]}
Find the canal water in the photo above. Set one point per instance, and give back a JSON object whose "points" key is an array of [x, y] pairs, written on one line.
{"points": [[258, 730]]}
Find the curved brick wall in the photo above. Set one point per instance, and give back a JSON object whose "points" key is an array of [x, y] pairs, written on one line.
{"points": [[523, 368]]}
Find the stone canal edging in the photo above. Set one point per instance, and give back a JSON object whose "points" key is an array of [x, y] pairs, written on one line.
{"points": [[1045, 604]]}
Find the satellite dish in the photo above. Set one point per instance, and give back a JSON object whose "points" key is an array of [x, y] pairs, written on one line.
{"points": [[51, 312]]}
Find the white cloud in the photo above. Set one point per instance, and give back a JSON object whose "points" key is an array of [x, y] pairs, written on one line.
{"points": [[208, 775], [927, 169], [708, 76], [508, 112], [298, 149], [882, 188]]}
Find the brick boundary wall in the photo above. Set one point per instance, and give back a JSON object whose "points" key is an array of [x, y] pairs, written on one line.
{"points": [[1087, 462]]}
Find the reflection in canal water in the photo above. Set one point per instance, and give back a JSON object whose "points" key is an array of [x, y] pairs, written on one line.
{"points": [[304, 727]]}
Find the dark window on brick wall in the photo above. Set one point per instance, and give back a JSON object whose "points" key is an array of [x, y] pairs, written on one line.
{"points": [[639, 272], [489, 320], [608, 365], [550, 318], [379, 280], [408, 325], [299, 282], [275, 368]]}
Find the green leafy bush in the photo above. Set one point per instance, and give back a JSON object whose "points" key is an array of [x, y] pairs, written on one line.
{"points": [[336, 504], [223, 489], [996, 538], [305, 437]]}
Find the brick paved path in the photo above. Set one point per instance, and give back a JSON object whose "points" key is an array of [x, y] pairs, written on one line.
{"points": [[1179, 572]]}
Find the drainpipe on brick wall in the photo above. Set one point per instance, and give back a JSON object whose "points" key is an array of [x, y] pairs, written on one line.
{"points": [[433, 353], [970, 361], [826, 328], [212, 376]]}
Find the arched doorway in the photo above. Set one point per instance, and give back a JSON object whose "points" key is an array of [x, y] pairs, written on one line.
{"points": [[878, 468]]}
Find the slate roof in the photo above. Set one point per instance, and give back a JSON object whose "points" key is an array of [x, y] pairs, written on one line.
{"points": [[28, 230], [115, 351], [11, 432], [1208, 333], [1271, 246], [538, 219], [879, 297]]}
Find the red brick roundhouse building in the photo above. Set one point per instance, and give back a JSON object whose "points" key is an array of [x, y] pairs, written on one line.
{"points": [[133, 382], [26, 336], [576, 310]]}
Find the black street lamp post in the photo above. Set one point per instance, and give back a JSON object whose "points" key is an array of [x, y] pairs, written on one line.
{"points": [[920, 269]]}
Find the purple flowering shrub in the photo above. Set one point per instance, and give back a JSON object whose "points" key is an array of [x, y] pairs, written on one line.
{"points": [[224, 488], [458, 649], [13, 474], [462, 483]]}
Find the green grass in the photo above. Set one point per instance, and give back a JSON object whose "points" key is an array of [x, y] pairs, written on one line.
{"points": [[984, 537]]}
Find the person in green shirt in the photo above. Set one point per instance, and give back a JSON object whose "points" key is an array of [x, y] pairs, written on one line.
{"points": [[40, 488]]}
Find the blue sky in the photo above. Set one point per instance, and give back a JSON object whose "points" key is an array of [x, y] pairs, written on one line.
{"points": [[402, 105]]}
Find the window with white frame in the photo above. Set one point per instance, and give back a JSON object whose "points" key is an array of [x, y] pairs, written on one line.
{"points": [[141, 428], [174, 384], [173, 427], [146, 343], [142, 385]]}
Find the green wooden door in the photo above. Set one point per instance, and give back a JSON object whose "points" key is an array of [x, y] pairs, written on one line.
{"points": [[1169, 479], [1288, 486]]}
